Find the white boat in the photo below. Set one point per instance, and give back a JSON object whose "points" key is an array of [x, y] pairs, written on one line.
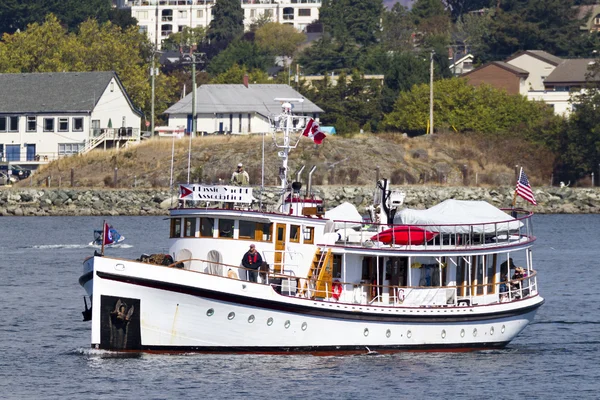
{"points": [[332, 286]]}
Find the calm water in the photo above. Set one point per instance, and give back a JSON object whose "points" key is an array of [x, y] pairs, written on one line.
{"points": [[44, 345]]}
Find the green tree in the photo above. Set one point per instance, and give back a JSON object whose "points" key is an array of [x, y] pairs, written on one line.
{"points": [[278, 39], [403, 72], [461, 8], [464, 108], [235, 74], [226, 26], [579, 147], [352, 20], [426, 9], [241, 52], [398, 29], [17, 14], [186, 39], [328, 55]]}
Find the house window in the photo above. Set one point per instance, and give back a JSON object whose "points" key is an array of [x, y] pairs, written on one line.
{"points": [[200, 14], [268, 13], [288, 13], [597, 20], [112, 86], [13, 124], [143, 29], [182, 14], [68, 149], [63, 124], [304, 12], [142, 15], [561, 88], [2, 124], [252, 13], [77, 124], [176, 227], [31, 123], [190, 227], [48, 124]]}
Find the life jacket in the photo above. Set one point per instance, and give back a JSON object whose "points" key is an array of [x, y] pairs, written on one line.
{"points": [[250, 258]]}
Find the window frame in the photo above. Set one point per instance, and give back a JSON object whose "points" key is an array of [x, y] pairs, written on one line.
{"points": [[28, 121], [175, 229], [63, 120], [74, 122], [46, 120], [310, 238], [189, 227], [295, 233], [13, 119]]}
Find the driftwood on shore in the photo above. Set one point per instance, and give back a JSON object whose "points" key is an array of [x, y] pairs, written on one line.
{"points": [[95, 202]]}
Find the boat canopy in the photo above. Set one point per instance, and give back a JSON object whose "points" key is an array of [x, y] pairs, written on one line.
{"points": [[344, 212], [460, 216]]}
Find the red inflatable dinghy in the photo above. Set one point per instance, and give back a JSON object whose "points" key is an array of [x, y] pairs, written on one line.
{"points": [[404, 235]]}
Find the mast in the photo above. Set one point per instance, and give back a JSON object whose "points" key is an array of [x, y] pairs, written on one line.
{"points": [[287, 125]]}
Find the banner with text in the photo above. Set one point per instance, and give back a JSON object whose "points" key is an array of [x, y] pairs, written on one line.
{"points": [[222, 193]]}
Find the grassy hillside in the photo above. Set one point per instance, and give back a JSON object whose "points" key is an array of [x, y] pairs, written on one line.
{"points": [[435, 159]]}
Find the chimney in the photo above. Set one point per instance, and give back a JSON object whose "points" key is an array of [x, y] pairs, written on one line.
{"points": [[246, 80]]}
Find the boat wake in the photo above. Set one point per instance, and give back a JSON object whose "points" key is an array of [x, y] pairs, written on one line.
{"points": [[74, 246], [95, 353]]}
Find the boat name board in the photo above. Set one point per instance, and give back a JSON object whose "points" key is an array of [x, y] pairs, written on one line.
{"points": [[222, 193]]}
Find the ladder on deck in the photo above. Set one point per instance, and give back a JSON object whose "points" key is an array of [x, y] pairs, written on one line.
{"points": [[320, 275]]}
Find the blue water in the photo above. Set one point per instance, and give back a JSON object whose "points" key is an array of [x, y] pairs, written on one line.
{"points": [[44, 345]]}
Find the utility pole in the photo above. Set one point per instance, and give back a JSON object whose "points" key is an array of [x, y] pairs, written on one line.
{"points": [[431, 92]]}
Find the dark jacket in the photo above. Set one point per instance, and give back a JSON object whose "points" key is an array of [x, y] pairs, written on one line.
{"points": [[252, 261]]}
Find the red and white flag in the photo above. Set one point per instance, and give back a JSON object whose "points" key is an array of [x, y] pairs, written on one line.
{"points": [[524, 188], [314, 132], [107, 236]]}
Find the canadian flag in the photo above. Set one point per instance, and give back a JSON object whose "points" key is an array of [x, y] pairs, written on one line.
{"points": [[313, 131]]}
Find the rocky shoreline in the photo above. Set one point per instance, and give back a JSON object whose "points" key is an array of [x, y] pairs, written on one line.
{"points": [[107, 202]]}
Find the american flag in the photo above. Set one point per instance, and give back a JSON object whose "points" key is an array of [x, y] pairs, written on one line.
{"points": [[524, 189]]}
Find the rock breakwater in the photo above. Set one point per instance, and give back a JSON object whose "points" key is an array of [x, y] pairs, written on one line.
{"points": [[94, 202]]}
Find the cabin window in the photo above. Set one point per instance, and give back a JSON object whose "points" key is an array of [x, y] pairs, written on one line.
{"points": [[491, 273], [189, 227], [264, 232], [337, 266], [206, 227], [461, 275], [175, 227], [477, 274], [295, 233], [247, 230], [309, 235], [226, 228]]}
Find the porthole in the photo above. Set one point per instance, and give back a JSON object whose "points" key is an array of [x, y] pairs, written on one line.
{"points": [[366, 332], [474, 332], [409, 334], [231, 316], [388, 333], [492, 330], [304, 326], [270, 321], [462, 333], [210, 312], [443, 334], [503, 329], [287, 324], [251, 319]]}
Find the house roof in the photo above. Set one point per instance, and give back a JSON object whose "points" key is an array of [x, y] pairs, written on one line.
{"points": [[462, 59], [54, 92], [572, 71], [235, 98], [540, 55], [510, 68]]}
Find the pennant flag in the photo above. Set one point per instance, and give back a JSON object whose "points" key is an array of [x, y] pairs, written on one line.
{"points": [[314, 132], [108, 235], [184, 191], [524, 189]]}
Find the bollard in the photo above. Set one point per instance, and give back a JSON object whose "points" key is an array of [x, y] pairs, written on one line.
{"points": [[115, 178]]}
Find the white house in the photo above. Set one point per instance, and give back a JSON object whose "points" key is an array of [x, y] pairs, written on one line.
{"points": [[236, 108], [160, 18], [538, 63], [462, 65], [44, 116]]}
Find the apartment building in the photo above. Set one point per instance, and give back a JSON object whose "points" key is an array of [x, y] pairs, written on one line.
{"points": [[160, 18]]}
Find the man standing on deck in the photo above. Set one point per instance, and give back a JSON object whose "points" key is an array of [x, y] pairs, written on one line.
{"points": [[252, 261], [240, 177]]}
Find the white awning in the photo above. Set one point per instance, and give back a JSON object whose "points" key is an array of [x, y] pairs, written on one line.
{"points": [[344, 212], [460, 216]]}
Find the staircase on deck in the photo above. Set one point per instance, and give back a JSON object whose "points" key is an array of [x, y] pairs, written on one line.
{"points": [[320, 275]]}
